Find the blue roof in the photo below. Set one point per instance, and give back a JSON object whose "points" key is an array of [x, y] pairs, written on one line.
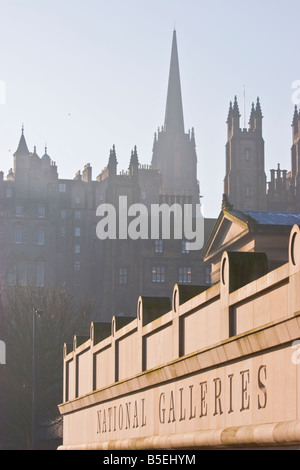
{"points": [[274, 218]]}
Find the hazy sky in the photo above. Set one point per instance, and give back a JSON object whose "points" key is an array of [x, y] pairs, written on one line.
{"points": [[86, 74]]}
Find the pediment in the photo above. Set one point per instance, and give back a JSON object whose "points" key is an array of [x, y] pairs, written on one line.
{"points": [[227, 231]]}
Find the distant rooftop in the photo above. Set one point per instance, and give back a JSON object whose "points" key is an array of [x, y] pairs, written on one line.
{"points": [[274, 218]]}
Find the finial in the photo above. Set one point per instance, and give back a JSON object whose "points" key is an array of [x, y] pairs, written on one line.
{"points": [[226, 206], [23, 129], [230, 111], [236, 111], [258, 108], [112, 156], [295, 117], [134, 157]]}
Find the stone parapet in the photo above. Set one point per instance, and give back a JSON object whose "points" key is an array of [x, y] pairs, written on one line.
{"points": [[207, 368]]}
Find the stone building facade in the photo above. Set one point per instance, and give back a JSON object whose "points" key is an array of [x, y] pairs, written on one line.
{"points": [[48, 224]]}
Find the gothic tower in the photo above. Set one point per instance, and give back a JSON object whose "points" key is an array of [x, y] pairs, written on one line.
{"points": [[174, 151], [245, 179]]}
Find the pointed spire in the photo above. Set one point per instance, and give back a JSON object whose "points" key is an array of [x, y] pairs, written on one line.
{"points": [[34, 152], [112, 156], [296, 116], [134, 162], [174, 121], [252, 117], [134, 157], [46, 156], [229, 112], [193, 135], [258, 109], [235, 110], [112, 162], [22, 147]]}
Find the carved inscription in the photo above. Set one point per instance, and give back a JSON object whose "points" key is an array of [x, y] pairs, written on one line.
{"points": [[209, 397], [126, 416], [233, 394]]}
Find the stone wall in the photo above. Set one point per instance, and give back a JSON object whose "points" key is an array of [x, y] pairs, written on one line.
{"points": [[191, 369]]}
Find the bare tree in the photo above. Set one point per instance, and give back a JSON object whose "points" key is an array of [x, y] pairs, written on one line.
{"points": [[59, 321]]}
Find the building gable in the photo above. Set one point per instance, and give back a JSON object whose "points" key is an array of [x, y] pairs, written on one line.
{"points": [[227, 230]]}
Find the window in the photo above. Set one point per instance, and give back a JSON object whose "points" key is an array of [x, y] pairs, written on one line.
{"points": [[63, 231], [22, 274], [40, 274], [41, 212], [185, 275], [143, 195], [247, 154], [19, 211], [158, 274], [18, 235], [9, 192], [77, 200], [77, 266], [41, 237], [62, 188], [78, 214], [184, 246], [77, 231], [158, 246], [123, 276], [247, 191], [77, 249], [63, 214]]}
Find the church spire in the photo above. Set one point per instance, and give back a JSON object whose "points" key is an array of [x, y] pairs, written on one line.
{"points": [[112, 162], [258, 109], [22, 147], [174, 111], [134, 163], [296, 116]]}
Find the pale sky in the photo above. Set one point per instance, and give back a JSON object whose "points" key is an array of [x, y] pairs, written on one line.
{"points": [[83, 75]]}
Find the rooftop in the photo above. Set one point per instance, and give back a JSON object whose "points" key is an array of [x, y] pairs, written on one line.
{"points": [[274, 218]]}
